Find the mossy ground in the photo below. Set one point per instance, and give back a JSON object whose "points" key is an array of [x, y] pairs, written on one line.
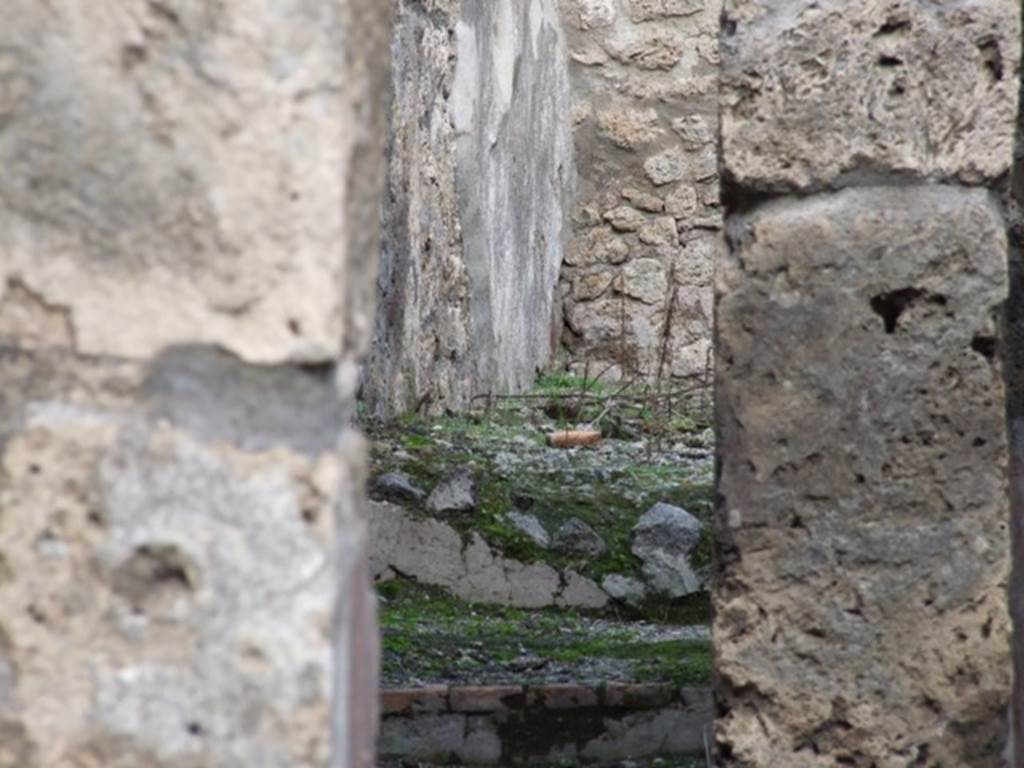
{"points": [[429, 636], [648, 456], [668, 460]]}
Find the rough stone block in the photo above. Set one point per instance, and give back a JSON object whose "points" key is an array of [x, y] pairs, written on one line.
{"points": [[638, 695], [436, 739], [156, 588], [187, 234], [559, 697], [624, 589], [483, 742], [135, 153], [649, 734], [652, 10], [581, 592], [425, 549], [401, 701], [592, 14], [664, 540], [485, 698], [592, 285], [652, 52], [861, 611], [532, 585], [815, 92], [598, 246], [433, 552], [695, 698]]}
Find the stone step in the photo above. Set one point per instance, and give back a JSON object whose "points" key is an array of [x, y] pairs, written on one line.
{"points": [[600, 725]]}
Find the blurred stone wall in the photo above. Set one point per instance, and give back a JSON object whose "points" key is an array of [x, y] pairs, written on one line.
{"points": [[863, 525], [636, 286], [188, 219]]}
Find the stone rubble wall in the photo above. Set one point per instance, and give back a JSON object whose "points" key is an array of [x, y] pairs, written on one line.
{"points": [[601, 725], [636, 285], [863, 529], [479, 181], [434, 553], [187, 235], [428, 550]]}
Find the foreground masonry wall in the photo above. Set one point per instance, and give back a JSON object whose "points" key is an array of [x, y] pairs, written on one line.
{"points": [[861, 611], [479, 181], [187, 235]]}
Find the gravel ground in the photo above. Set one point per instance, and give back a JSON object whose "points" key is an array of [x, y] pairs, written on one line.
{"points": [[643, 459], [436, 639]]}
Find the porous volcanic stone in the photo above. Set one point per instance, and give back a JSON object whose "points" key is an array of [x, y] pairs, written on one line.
{"points": [[863, 520], [530, 526], [814, 91], [625, 589], [188, 225], [578, 537], [456, 493], [397, 487], [664, 539]]}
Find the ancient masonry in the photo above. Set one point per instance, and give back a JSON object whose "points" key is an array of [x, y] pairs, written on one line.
{"points": [[861, 613], [636, 286], [503, 725], [479, 179], [552, 196], [187, 234]]}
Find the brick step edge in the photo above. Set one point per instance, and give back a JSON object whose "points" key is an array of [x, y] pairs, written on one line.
{"points": [[396, 702]]}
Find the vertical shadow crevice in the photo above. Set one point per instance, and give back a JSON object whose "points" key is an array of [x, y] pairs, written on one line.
{"points": [[1013, 371]]}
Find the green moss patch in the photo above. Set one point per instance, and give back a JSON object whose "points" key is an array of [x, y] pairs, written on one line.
{"points": [[505, 445], [429, 636]]}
